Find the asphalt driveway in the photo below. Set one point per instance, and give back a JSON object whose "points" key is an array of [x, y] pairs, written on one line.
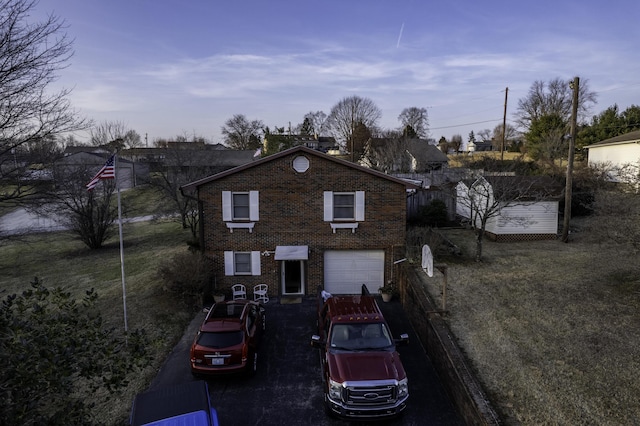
{"points": [[286, 388]]}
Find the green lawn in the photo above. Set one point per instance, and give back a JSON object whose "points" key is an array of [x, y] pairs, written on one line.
{"points": [[62, 261]]}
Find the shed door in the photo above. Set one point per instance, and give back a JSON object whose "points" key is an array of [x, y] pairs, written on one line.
{"points": [[346, 270]]}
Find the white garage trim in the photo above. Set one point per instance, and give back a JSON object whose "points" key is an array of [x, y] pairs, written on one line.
{"points": [[346, 270]]}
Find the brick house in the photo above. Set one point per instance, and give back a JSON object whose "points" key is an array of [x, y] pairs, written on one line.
{"points": [[300, 221]]}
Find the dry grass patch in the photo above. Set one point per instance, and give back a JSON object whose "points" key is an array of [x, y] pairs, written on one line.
{"points": [[552, 329]]}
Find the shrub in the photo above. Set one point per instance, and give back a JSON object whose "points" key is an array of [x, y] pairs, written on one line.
{"points": [[55, 350], [187, 275], [433, 214]]}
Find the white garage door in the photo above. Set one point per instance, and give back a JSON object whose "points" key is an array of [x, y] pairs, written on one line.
{"points": [[346, 270]]}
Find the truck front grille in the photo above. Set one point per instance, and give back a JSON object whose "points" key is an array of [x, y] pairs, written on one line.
{"points": [[370, 395]]}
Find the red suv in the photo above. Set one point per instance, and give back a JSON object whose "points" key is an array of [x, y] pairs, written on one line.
{"points": [[228, 339]]}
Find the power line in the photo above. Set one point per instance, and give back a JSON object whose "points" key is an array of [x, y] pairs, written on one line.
{"points": [[465, 124]]}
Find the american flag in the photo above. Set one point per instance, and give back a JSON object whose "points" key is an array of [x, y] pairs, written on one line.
{"points": [[108, 171]]}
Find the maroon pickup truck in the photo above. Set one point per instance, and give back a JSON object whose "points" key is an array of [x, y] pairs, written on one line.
{"points": [[363, 377]]}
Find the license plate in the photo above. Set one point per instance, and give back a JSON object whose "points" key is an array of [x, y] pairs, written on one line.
{"points": [[217, 361]]}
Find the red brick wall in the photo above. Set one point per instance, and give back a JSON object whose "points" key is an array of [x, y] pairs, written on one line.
{"points": [[291, 213]]}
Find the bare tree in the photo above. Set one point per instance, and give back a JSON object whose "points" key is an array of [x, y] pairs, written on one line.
{"points": [[486, 197], [317, 121], [387, 154], [88, 214], [455, 143], [31, 55], [179, 169], [484, 135], [347, 115], [132, 139], [240, 133], [417, 119], [555, 97], [510, 135], [181, 166], [104, 133]]}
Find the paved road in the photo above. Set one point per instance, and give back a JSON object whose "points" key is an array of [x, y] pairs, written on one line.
{"points": [[22, 221], [286, 389]]}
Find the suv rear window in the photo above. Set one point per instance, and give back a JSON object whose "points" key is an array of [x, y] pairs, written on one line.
{"points": [[220, 340]]}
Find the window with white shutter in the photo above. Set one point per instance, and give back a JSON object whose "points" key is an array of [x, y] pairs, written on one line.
{"points": [[240, 209], [344, 209], [242, 263]]}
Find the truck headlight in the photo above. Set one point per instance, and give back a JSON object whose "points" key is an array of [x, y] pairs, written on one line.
{"points": [[403, 388], [335, 390]]}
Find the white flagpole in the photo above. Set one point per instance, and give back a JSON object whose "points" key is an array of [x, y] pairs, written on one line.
{"points": [[124, 287]]}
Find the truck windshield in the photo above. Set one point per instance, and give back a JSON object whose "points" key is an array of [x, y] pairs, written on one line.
{"points": [[360, 336]]}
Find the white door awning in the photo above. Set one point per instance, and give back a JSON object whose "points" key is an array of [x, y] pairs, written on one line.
{"points": [[292, 253]]}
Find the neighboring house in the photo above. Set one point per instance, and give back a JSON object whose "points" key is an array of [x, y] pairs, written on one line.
{"points": [[616, 152], [482, 146], [434, 185], [190, 154], [399, 155], [301, 220], [127, 172], [526, 207], [184, 158], [196, 163], [275, 142]]}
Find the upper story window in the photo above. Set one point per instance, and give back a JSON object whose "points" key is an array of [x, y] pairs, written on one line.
{"points": [[240, 206], [344, 206]]}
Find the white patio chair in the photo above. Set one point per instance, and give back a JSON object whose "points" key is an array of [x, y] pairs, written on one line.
{"points": [[239, 291], [260, 293]]}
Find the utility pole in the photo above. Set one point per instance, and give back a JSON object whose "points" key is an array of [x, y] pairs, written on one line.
{"points": [[504, 123], [575, 85]]}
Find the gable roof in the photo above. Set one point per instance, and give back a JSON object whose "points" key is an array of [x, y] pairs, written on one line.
{"points": [[426, 153], [520, 187], [631, 137], [297, 149], [88, 159], [226, 157], [420, 149]]}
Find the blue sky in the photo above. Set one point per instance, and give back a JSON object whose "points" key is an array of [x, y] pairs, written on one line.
{"points": [[173, 67]]}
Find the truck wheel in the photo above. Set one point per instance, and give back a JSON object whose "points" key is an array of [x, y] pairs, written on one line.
{"points": [[252, 364], [328, 411]]}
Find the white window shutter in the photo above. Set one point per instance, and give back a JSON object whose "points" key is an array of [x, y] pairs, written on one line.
{"points": [[254, 210], [255, 263], [228, 263], [328, 206], [226, 206], [360, 206]]}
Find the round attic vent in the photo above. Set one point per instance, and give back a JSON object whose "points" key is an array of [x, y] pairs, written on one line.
{"points": [[301, 164]]}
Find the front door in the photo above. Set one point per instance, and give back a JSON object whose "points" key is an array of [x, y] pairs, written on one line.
{"points": [[292, 279]]}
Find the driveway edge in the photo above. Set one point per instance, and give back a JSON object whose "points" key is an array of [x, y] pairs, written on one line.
{"points": [[457, 377]]}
